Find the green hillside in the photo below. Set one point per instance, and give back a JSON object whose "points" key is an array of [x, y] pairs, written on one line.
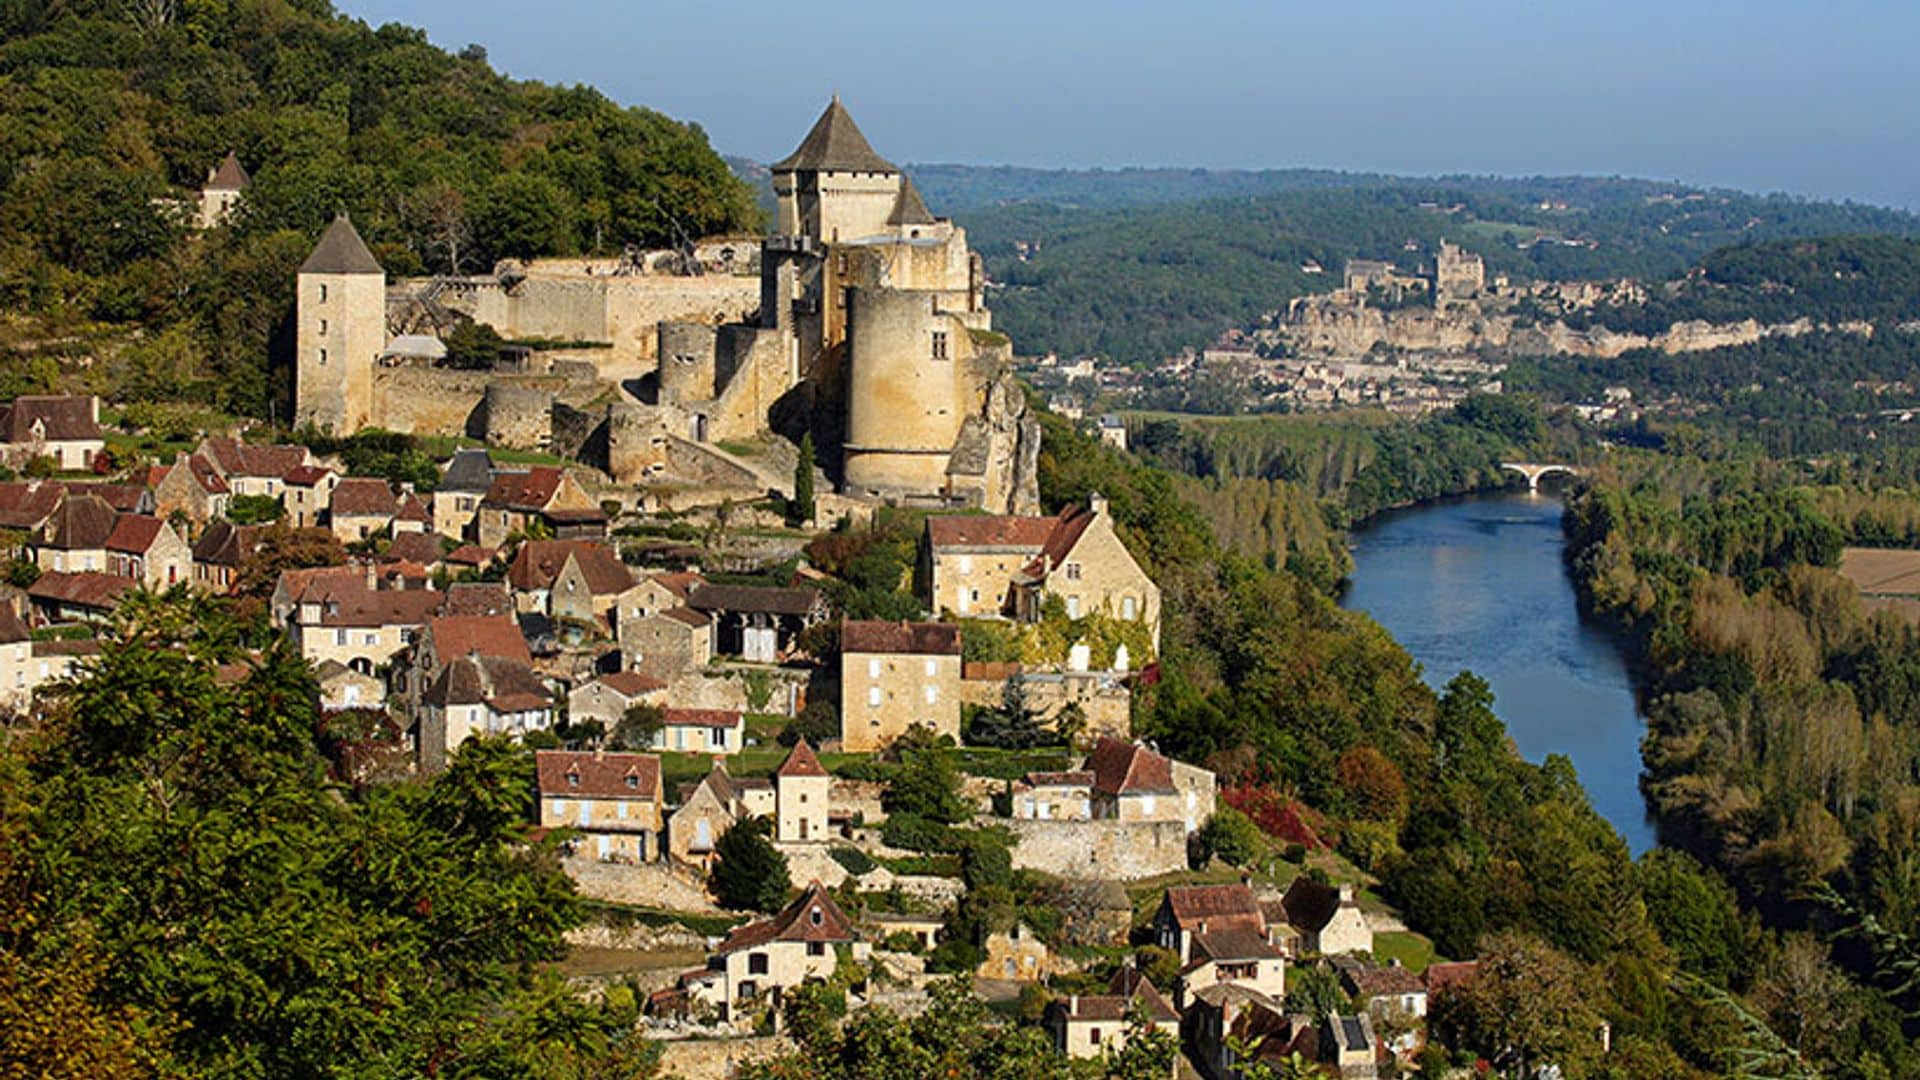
{"points": [[109, 110]]}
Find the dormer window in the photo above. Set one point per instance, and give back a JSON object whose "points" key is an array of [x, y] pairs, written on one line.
{"points": [[573, 779], [816, 917], [633, 782]]}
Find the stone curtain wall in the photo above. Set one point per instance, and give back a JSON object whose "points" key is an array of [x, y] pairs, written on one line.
{"points": [[1117, 850]]}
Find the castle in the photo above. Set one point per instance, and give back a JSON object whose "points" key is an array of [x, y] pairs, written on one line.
{"points": [[862, 320]]}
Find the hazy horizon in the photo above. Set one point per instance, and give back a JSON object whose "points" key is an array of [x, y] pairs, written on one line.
{"points": [[1767, 96]]}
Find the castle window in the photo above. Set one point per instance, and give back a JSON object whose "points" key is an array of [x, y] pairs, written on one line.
{"points": [[323, 326], [323, 294], [873, 696], [323, 358], [933, 695], [1073, 571], [939, 344], [930, 669]]}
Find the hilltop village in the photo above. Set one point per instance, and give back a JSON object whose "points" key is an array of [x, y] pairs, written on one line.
{"points": [[854, 692]]}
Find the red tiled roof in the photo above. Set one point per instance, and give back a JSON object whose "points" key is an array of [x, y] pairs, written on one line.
{"points": [[307, 475], [28, 504], [539, 562], [414, 508], [477, 598], [598, 774], [472, 555], [1122, 768], [812, 917], [206, 475], [1067, 530], [487, 635], [62, 418], [1059, 779], [356, 605], [230, 176], [134, 533], [125, 498], [1128, 982], [761, 598], [526, 491], [88, 589], [631, 683], [1235, 941], [1126, 986], [801, 762], [225, 544], [885, 636], [687, 616], [417, 547], [725, 718], [990, 530], [362, 496], [681, 583], [1370, 980]]}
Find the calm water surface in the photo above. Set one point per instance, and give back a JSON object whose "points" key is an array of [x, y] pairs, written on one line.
{"points": [[1479, 584]]}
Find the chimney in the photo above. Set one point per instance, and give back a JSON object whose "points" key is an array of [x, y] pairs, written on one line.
{"points": [[1073, 1004], [373, 577], [1346, 896], [1097, 503]]}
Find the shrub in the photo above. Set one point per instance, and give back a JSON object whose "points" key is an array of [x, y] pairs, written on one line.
{"points": [[1230, 835], [853, 860], [748, 874], [818, 722], [912, 832], [903, 941]]}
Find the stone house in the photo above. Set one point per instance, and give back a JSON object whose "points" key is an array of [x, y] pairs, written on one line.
{"points": [[802, 789], [1010, 566], [190, 488], [1348, 1043], [1104, 701], [343, 689], [924, 929], [255, 469], [757, 623], [17, 670], [1053, 796], [711, 807], [608, 697], [1390, 994], [1113, 431], [542, 493], [339, 614], [1225, 1014], [761, 960], [1233, 954], [614, 801], [1327, 917], [361, 507], [1196, 909], [456, 499], [701, 731], [220, 195], [568, 579], [64, 428], [895, 675], [124, 498], [307, 494], [74, 539], [1084, 1026], [413, 517], [86, 596], [219, 552], [652, 594], [27, 506], [148, 551], [667, 645], [1133, 783], [478, 694], [1017, 955]]}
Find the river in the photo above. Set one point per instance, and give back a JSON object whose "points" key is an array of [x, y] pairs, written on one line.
{"points": [[1478, 583]]}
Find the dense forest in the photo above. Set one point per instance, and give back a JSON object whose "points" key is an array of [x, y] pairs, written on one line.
{"points": [[111, 112], [1139, 280]]}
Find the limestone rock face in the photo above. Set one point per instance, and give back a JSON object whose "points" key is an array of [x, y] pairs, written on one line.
{"points": [[1013, 450]]}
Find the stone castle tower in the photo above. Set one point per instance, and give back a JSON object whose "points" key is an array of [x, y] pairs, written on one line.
{"points": [[341, 308]]}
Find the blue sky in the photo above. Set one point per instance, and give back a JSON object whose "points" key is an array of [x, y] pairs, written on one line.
{"points": [[1817, 98]]}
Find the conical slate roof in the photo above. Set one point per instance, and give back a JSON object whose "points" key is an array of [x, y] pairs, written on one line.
{"points": [[230, 176], [341, 251], [835, 145], [909, 208]]}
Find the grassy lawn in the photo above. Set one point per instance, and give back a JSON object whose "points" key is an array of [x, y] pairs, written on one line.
{"points": [[628, 914], [1413, 951]]}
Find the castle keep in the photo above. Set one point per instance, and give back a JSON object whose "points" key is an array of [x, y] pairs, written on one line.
{"points": [[860, 319]]}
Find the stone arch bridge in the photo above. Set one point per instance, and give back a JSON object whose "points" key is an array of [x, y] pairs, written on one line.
{"points": [[1536, 471]]}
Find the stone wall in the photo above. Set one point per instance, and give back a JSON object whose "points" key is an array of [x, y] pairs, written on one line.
{"points": [[716, 1059], [1118, 850], [519, 416], [652, 884], [428, 400]]}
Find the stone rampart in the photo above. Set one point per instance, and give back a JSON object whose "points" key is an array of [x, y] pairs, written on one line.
{"points": [[717, 1059], [1114, 850], [519, 416], [428, 400]]}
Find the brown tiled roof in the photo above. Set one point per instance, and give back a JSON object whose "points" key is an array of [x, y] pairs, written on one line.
{"points": [[236, 458], [1191, 903], [230, 176], [134, 533], [12, 630], [1375, 980], [834, 144], [776, 601], [989, 670], [600, 774], [725, 718], [1447, 976], [1126, 987], [1234, 942], [362, 496], [990, 531], [909, 208], [487, 635], [472, 555], [341, 251], [686, 615], [1059, 779], [307, 475], [225, 544], [812, 917], [419, 547], [87, 589], [886, 636], [1122, 768], [315, 583], [63, 418], [126, 498], [414, 508], [539, 562], [680, 583], [525, 491], [1128, 982], [81, 523], [1067, 530], [801, 762], [28, 504], [631, 683], [504, 684], [1310, 905], [356, 605], [208, 477], [477, 598]]}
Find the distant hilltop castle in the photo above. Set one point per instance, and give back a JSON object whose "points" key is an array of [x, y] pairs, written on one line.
{"points": [[862, 320]]}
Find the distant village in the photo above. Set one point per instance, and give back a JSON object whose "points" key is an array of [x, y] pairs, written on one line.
{"points": [[545, 587]]}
